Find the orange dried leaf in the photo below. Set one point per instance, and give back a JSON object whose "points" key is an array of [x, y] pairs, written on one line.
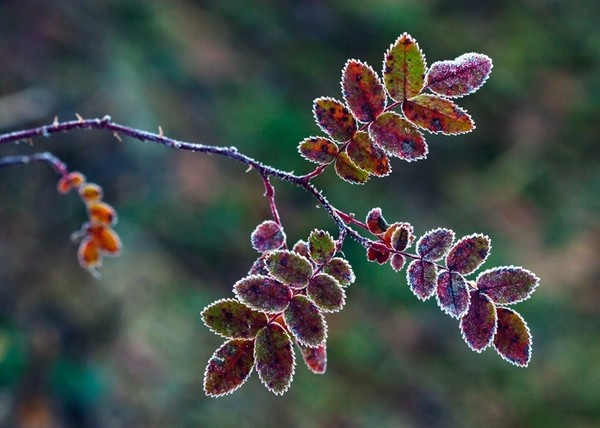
{"points": [[101, 212], [89, 255], [105, 239], [368, 156], [90, 192], [437, 114], [334, 118]]}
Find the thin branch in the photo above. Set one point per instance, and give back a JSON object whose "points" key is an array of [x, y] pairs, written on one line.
{"points": [[59, 167]]}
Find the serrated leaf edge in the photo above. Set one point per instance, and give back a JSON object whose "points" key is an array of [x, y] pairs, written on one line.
{"points": [[330, 311], [464, 110], [222, 301], [238, 297], [317, 136], [528, 333], [231, 390], [491, 341], [482, 261], [295, 254], [306, 362], [455, 97], [385, 55], [432, 292], [293, 366], [358, 183], [364, 64], [319, 124], [535, 286], [259, 225], [325, 327], [431, 231], [445, 310]]}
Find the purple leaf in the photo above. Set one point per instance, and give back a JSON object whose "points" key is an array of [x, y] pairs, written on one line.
{"points": [[404, 68], [507, 284], [348, 171], [398, 137], [301, 247], [459, 77], [437, 114], [478, 326], [513, 338], [334, 118], [321, 246], [263, 293], [363, 91], [376, 223], [452, 294], [366, 155], [318, 150], [267, 236], [422, 276], [290, 268], [341, 270], [305, 321], [435, 244], [315, 358], [231, 319], [397, 262], [259, 266], [274, 358], [326, 292], [402, 237], [468, 254], [229, 367]]}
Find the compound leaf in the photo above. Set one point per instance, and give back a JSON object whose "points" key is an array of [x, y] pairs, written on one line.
{"points": [[305, 321], [318, 150], [435, 244], [229, 367], [267, 236], [507, 284], [366, 155], [315, 358], [263, 293], [274, 358], [404, 68], [363, 91], [348, 171], [437, 114], [513, 338], [326, 292], [231, 319], [468, 254], [461, 76], [341, 270], [334, 118], [290, 268], [452, 294], [421, 276], [478, 326], [375, 222], [321, 246], [398, 137]]}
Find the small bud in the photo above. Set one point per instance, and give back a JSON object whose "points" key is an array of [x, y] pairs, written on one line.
{"points": [[90, 193], [101, 212]]}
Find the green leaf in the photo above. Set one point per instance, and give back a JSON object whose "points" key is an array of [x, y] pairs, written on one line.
{"points": [[437, 114], [326, 292], [274, 358], [468, 254], [341, 270], [348, 171], [362, 90], [305, 321], [404, 68], [366, 155], [290, 268], [321, 246], [229, 367], [318, 150], [231, 319], [263, 293], [398, 137], [459, 77], [334, 118], [267, 236]]}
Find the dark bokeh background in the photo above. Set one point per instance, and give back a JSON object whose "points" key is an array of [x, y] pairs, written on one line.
{"points": [[130, 350]]}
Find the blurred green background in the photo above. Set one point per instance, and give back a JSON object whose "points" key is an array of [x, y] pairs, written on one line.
{"points": [[130, 350]]}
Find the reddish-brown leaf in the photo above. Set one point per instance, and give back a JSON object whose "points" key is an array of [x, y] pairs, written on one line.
{"points": [[305, 321], [398, 137], [290, 268], [267, 236], [478, 326], [366, 155], [452, 294], [363, 91], [318, 149], [434, 244], [263, 293], [229, 367], [348, 171], [508, 284], [513, 338], [334, 118], [315, 358], [437, 114], [375, 222], [468, 254], [421, 276]]}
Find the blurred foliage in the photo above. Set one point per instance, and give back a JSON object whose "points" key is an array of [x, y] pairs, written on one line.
{"points": [[130, 350]]}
